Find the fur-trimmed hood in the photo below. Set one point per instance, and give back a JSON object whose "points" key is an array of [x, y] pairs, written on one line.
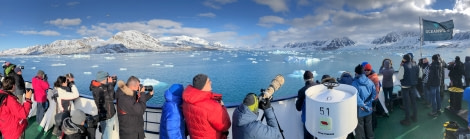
{"points": [[126, 90]]}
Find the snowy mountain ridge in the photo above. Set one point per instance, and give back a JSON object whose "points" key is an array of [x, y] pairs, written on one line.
{"points": [[121, 42]]}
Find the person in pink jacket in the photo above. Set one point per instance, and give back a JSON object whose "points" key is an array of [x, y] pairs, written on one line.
{"points": [[13, 114], [40, 86]]}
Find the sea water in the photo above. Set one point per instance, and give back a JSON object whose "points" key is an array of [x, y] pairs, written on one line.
{"points": [[233, 73]]}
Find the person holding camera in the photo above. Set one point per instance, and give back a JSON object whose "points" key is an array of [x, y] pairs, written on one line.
{"points": [[204, 111], [103, 94], [245, 120], [131, 101], [74, 126], [13, 114], [63, 96], [19, 83], [40, 86]]}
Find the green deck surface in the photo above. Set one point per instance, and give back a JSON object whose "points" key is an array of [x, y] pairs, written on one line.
{"points": [[426, 127], [387, 128]]}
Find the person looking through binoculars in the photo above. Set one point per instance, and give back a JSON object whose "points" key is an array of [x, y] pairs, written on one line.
{"points": [[245, 123], [131, 102]]}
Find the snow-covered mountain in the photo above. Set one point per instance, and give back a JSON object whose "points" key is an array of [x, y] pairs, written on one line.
{"points": [[321, 44], [122, 42], [462, 36]]}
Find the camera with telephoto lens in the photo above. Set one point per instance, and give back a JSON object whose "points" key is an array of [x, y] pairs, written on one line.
{"points": [[266, 94], [147, 87], [114, 78]]}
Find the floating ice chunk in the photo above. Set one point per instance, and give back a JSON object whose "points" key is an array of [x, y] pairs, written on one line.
{"points": [[228, 61], [152, 82], [191, 55], [267, 60], [36, 61], [33, 67], [214, 59], [300, 74], [58, 64], [301, 60], [94, 66], [206, 59], [251, 59], [155, 65], [109, 58], [81, 56], [87, 73], [169, 66], [254, 62], [22, 61], [122, 69]]}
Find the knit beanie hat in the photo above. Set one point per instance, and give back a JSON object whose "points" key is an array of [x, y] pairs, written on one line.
{"points": [[457, 59], [199, 81], [364, 63], [359, 69], [407, 57], [101, 75], [251, 101], [368, 67], [17, 69], [40, 73], [77, 116], [435, 57], [308, 75]]}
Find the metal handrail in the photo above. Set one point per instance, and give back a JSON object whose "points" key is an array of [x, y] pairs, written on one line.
{"points": [[147, 121]]}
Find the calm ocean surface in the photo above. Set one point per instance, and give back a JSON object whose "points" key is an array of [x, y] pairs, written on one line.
{"points": [[233, 73]]}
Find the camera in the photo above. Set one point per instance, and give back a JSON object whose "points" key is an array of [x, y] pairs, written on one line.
{"points": [[147, 87], [266, 94], [21, 67], [45, 77], [92, 121], [27, 89]]}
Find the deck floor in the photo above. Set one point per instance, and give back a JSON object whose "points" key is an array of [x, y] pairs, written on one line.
{"points": [[387, 127], [426, 127]]}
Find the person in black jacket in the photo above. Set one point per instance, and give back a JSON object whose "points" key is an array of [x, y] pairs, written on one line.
{"points": [[456, 71], [467, 71], [19, 83], [300, 103], [131, 102], [103, 94], [433, 85]]}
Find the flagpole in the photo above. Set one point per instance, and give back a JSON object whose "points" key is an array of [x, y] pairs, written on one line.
{"points": [[420, 37]]}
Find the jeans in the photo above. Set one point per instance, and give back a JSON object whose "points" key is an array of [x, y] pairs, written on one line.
{"points": [[108, 127], [364, 127], [388, 91], [427, 94], [41, 109], [435, 98], [409, 99]]}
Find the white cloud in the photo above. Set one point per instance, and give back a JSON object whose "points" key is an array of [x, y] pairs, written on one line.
{"points": [[65, 22], [44, 32], [231, 27], [269, 21], [211, 15], [216, 4], [73, 3], [275, 5], [365, 20], [94, 31]]}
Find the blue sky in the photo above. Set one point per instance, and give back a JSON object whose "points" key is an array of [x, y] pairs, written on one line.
{"points": [[238, 23]]}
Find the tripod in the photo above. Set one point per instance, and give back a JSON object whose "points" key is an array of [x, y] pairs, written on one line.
{"points": [[275, 117]]}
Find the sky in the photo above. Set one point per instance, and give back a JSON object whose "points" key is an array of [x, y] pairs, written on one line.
{"points": [[236, 23]]}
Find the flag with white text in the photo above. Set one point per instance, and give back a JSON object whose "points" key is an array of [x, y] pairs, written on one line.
{"points": [[435, 31]]}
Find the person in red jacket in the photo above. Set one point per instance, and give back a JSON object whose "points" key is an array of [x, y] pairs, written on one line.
{"points": [[13, 115], [205, 114], [40, 86]]}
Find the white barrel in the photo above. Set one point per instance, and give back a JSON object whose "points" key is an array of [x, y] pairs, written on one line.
{"points": [[331, 113]]}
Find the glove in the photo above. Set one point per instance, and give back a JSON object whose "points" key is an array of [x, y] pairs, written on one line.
{"points": [[265, 104]]}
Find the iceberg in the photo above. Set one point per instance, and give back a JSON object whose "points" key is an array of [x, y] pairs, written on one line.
{"points": [[300, 74], [58, 64], [152, 82], [302, 60], [87, 73], [122, 69]]}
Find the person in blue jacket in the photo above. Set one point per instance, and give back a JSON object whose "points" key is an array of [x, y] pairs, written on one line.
{"points": [[365, 95], [172, 125], [466, 97], [245, 124]]}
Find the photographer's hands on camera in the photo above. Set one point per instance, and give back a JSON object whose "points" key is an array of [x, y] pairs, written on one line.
{"points": [[265, 103]]}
